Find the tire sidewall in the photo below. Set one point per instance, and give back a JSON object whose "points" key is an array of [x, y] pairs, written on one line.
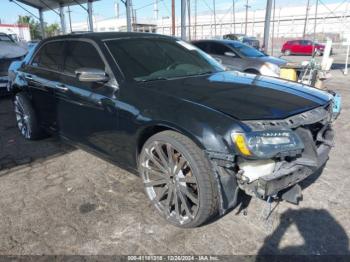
{"points": [[32, 125], [196, 169]]}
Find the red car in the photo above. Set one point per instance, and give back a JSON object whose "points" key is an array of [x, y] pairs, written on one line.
{"points": [[302, 47]]}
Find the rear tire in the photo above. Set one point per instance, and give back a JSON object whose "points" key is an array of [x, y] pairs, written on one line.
{"points": [[183, 188], [26, 119], [318, 52]]}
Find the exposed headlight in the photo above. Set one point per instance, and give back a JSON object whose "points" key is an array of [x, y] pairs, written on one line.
{"points": [[270, 69], [266, 144]]}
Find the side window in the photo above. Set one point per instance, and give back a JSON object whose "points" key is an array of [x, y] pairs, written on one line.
{"points": [[49, 56], [218, 49], [81, 54]]}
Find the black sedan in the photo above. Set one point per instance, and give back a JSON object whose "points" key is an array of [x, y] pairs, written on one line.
{"points": [[158, 106]]}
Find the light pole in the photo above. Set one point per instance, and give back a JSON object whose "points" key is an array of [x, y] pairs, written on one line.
{"points": [[233, 16], [306, 17], [214, 10], [183, 19], [267, 24], [173, 16], [246, 17]]}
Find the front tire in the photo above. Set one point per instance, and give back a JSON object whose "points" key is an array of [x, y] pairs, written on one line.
{"points": [[26, 119], [178, 179]]}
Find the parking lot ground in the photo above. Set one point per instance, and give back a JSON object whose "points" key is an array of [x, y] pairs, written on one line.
{"points": [[55, 199]]}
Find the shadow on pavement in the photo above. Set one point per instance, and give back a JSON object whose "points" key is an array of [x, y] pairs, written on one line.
{"points": [[15, 150], [321, 233]]}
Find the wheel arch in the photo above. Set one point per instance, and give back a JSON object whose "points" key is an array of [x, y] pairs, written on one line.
{"points": [[252, 71], [155, 128]]}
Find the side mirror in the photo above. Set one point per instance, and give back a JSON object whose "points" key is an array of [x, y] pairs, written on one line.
{"points": [[86, 74], [231, 54]]}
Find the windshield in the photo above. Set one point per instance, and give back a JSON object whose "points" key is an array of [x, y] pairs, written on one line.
{"points": [[246, 50], [148, 59]]}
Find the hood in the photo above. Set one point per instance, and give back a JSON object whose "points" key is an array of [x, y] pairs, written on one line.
{"points": [[244, 96], [9, 50], [270, 59]]}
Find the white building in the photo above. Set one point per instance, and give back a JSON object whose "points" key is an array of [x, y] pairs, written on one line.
{"points": [[18, 32], [287, 22]]}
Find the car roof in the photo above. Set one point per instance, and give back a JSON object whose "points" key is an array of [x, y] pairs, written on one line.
{"points": [[106, 35]]}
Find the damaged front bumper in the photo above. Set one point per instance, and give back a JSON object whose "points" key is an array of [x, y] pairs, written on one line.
{"points": [[289, 173], [314, 129]]}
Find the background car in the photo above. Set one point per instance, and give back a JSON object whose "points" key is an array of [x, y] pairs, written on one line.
{"points": [[302, 47], [235, 55], [10, 51], [15, 65], [248, 40]]}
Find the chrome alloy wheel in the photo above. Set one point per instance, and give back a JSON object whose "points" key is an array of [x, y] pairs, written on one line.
{"points": [[22, 118], [169, 182]]}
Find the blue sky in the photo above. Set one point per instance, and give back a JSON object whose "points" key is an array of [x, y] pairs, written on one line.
{"points": [[9, 12]]}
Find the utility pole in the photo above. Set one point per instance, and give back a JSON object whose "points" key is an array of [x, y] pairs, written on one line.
{"points": [[214, 10], [155, 10], [173, 16], [313, 42], [267, 24], [246, 17], [116, 7], [189, 19], [128, 15], [273, 26], [233, 16], [195, 19], [183, 19], [306, 17], [316, 9]]}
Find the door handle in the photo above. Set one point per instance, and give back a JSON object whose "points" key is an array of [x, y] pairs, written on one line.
{"points": [[62, 87], [29, 77]]}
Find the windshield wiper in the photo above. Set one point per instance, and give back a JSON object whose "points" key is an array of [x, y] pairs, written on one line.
{"points": [[202, 73]]}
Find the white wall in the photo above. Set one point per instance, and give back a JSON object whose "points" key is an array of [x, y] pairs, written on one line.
{"points": [[22, 31]]}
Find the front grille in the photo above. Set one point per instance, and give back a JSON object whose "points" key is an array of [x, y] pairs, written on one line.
{"points": [[5, 64], [317, 115]]}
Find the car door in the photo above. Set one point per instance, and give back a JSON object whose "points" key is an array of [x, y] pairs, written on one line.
{"points": [[42, 75], [218, 51], [308, 47], [296, 47], [304, 47], [86, 111]]}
